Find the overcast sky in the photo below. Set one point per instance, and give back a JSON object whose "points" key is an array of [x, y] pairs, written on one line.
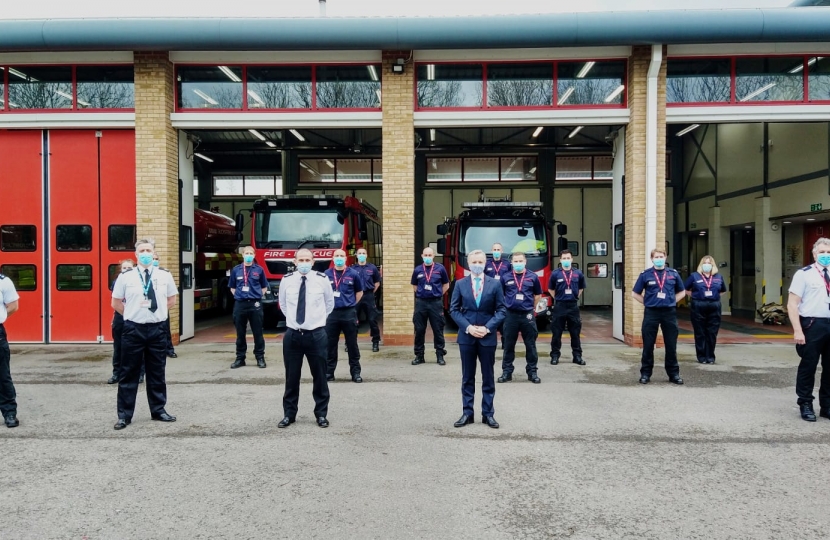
{"points": [[17, 9]]}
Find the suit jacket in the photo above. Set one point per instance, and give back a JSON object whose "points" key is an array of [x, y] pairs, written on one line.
{"points": [[490, 311]]}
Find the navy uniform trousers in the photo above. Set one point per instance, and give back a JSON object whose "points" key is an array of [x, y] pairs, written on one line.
{"points": [[245, 311], [565, 311], [142, 344], [312, 345], [433, 310], [8, 405], [342, 320], [368, 301], [706, 317], [816, 345], [524, 322], [117, 351], [666, 319]]}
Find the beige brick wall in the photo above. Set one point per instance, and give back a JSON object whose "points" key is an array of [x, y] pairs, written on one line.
{"points": [[156, 161], [635, 181], [397, 92]]}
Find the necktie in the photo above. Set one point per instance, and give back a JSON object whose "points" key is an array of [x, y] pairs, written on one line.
{"points": [[301, 303], [478, 291], [827, 281], [151, 293]]}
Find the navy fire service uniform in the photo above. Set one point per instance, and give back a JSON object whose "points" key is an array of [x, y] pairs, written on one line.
{"points": [[812, 285], [430, 281], [497, 269], [369, 277], [658, 288], [117, 354], [248, 284], [567, 286], [345, 285], [519, 293], [306, 301], [145, 292], [8, 402], [705, 313]]}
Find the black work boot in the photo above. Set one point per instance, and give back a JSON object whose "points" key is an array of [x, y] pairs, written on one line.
{"points": [[419, 359], [440, 356]]}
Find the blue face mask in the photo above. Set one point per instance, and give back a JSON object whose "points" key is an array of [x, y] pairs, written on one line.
{"points": [[155, 263], [497, 255], [519, 267], [146, 259], [427, 260], [248, 258], [477, 268], [339, 261], [823, 259], [304, 268], [566, 264], [706, 267], [659, 263], [361, 259]]}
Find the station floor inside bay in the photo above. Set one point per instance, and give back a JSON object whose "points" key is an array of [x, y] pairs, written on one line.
{"points": [[596, 328]]}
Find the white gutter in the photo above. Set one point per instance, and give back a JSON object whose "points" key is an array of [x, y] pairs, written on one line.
{"points": [[651, 151]]}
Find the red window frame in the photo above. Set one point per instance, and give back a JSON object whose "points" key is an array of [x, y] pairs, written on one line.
{"points": [[499, 157], [244, 103], [805, 100], [554, 94], [6, 109]]}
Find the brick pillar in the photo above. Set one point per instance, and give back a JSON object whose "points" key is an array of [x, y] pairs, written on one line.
{"points": [[156, 163], [635, 181], [397, 93]]}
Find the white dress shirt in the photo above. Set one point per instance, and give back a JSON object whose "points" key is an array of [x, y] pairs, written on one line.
{"points": [[808, 283], [8, 294], [319, 299], [130, 287]]}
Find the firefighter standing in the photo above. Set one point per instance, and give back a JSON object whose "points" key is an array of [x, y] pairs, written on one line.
{"points": [[522, 291], [565, 285], [346, 286], [497, 268], [247, 283], [370, 283], [430, 283], [705, 288], [9, 303]]}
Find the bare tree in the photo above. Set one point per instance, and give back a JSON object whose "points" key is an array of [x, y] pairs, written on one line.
{"points": [[280, 95], [348, 94], [589, 91], [106, 95], [442, 94], [519, 93], [40, 95], [698, 89]]}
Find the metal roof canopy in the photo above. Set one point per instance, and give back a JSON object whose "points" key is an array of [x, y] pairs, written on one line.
{"points": [[807, 24]]}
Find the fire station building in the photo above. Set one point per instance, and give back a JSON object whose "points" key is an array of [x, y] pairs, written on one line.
{"points": [[697, 131]]}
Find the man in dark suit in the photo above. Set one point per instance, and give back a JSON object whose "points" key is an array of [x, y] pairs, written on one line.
{"points": [[477, 307]]}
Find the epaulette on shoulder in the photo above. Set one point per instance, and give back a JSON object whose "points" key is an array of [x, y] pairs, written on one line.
{"points": [[321, 274], [288, 274], [164, 269], [2, 276], [807, 268]]}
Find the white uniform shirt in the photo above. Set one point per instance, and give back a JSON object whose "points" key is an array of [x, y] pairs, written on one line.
{"points": [[8, 294], [130, 287], [319, 299], [808, 283]]}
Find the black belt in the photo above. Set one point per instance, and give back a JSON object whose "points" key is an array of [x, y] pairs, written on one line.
{"points": [[566, 301], [302, 332], [342, 308], [522, 311], [249, 300], [145, 324], [661, 307], [428, 299]]}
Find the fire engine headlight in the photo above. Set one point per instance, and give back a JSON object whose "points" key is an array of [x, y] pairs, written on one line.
{"points": [[542, 305]]}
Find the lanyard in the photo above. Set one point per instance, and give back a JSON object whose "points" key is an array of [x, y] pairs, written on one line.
{"points": [[568, 278], [708, 282], [498, 268], [338, 281], [519, 283], [429, 275], [146, 285], [245, 274], [826, 283], [660, 283]]}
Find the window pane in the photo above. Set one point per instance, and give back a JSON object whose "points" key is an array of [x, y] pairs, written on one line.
{"points": [[597, 270], [259, 185], [209, 87], [40, 87], [113, 271], [18, 238], [819, 77], [105, 87], [698, 81], [769, 79], [24, 276], [519, 85], [348, 87], [279, 87], [574, 168], [481, 169], [590, 83], [444, 170], [603, 167], [518, 168], [450, 85], [74, 277], [2, 88], [186, 238], [377, 170], [573, 247], [597, 249], [354, 170], [122, 237], [74, 237], [228, 185], [316, 170]]}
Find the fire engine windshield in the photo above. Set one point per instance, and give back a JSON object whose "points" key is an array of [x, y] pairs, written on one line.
{"points": [[484, 235], [291, 228]]}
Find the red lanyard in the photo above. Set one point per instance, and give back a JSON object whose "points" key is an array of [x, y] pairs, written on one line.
{"points": [[338, 281], [709, 282], [244, 274], [660, 283], [826, 284], [431, 270], [498, 268], [568, 277], [519, 284]]}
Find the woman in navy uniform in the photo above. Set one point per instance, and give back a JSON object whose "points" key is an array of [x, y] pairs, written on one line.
{"points": [[477, 307], [659, 289], [247, 283], [810, 299], [347, 290], [117, 330], [370, 280], [522, 291], [9, 303], [430, 283], [705, 288], [565, 286]]}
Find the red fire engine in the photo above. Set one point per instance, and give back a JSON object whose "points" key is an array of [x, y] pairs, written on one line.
{"points": [[518, 226], [217, 252], [321, 223]]}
